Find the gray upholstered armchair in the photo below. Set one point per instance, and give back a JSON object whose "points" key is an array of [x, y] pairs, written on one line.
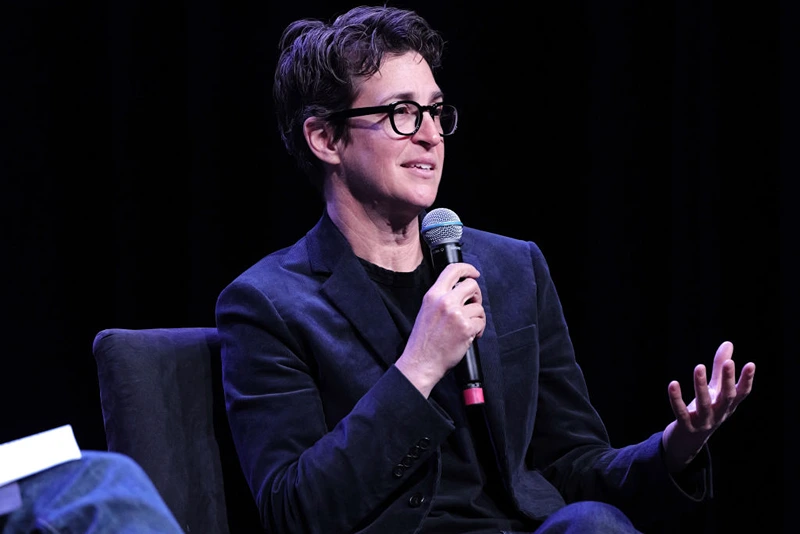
{"points": [[162, 403]]}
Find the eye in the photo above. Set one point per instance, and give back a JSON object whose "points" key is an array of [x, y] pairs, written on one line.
{"points": [[403, 109]]}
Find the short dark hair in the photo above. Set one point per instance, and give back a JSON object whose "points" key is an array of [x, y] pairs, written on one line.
{"points": [[319, 61]]}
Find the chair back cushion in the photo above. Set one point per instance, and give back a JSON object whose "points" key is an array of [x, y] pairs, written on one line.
{"points": [[162, 402]]}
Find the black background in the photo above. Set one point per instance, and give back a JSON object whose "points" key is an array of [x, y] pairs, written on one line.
{"points": [[649, 148]]}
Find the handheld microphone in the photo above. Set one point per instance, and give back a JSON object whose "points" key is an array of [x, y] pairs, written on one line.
{"points": [[442, 229]]}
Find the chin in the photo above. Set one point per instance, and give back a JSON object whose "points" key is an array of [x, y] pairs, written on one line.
{"points": [[424, 205], [427, 196]]}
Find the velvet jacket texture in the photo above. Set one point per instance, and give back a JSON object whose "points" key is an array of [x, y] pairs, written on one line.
{"points": [[333, 438]]}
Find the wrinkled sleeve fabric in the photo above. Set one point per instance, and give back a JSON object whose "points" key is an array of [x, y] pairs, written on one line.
{"points": [[307, 475], [570, 443]]}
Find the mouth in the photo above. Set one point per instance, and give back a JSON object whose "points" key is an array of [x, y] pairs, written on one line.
{"points": [[422, 166]]}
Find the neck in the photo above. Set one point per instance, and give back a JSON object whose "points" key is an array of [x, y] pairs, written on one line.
{"points": [[389, 242]]}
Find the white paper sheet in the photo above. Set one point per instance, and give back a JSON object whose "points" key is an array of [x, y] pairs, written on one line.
{"points": [[29, 455]]}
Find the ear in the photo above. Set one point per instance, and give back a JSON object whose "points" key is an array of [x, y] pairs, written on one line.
{"points": [[319, 136]]}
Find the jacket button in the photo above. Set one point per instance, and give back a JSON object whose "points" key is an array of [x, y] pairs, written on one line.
{"points": [[424, 443], [398, 471], [416, 500], [414, 452]]}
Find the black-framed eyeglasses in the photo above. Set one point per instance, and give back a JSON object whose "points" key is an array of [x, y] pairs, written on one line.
{"points": [[406, 116]]}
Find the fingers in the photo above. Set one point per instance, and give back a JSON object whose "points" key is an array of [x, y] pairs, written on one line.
{"points": [[676, 401], [454, 273], [727, 388], [457, 293], [724, 354], [457, 282], [745, 384], [705, 416], [723, 378]]}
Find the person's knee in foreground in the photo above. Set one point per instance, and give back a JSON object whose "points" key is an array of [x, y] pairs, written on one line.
{"points": [[101, 493], [343, 353], [587, 517]]}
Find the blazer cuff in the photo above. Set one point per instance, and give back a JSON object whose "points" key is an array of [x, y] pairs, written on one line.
{"points": [[695, 481]]}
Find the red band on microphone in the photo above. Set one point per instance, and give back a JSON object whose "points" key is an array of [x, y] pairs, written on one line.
{"points": [[473, 396]]}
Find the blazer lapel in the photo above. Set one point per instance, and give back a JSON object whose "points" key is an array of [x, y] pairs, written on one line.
{"points": [[352, 292]]}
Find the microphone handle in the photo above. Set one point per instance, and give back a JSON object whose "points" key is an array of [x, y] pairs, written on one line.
{"points": [[468, 374], [445, 254], [468, 371]]}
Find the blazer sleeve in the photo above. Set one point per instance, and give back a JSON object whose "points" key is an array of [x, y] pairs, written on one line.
{"points": [[305, 476], [570, 443]]}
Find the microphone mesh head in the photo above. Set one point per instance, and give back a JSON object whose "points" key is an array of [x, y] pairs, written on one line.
{"points": [[441, 226]]}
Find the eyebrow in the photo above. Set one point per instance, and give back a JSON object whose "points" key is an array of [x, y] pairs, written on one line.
{"points": [[438, 95]]}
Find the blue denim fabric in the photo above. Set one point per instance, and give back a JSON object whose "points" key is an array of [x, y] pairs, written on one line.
{"points": [[103, 492], [587, 517]]}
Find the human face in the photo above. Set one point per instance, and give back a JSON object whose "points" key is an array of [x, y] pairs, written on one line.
{"points": [[383, 171]]}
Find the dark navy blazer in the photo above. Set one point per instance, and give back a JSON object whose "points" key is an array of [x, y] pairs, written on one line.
{"points": [[333, 438]]}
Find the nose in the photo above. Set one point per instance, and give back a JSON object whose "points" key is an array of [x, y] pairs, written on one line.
{"points": [[428, 132]]}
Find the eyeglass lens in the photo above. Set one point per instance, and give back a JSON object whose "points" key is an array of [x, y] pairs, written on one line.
{"points": [[407, 118]]}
